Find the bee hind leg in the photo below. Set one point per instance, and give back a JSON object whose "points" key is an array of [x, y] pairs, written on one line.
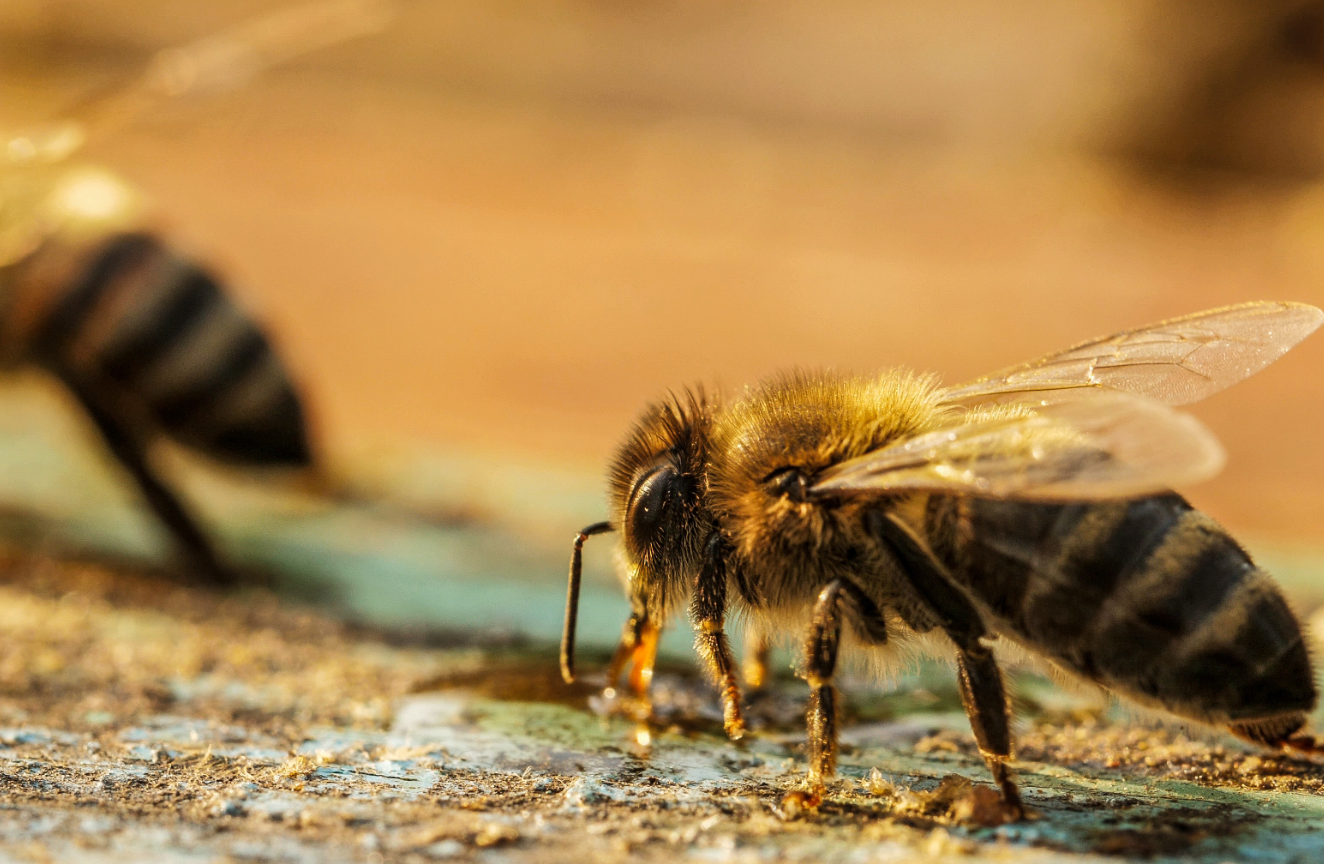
{"points": [[986, 705], [1307, 745], [1280, 733], [980, 679], [131, 452]]}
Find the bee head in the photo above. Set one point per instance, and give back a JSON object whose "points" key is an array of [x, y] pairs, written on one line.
{"points": [[658, 486]]}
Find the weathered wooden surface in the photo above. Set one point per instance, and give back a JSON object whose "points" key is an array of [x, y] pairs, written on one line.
{"points": [[144, 721]]}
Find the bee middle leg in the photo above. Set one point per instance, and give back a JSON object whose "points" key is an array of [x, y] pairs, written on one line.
{"points": [[820, 656]]}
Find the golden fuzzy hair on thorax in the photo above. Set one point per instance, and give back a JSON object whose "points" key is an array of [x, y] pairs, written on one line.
{"points": [[816, 419], [806, 421]]}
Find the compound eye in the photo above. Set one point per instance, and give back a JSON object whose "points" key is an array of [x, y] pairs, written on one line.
{"points": [[655, 496]]}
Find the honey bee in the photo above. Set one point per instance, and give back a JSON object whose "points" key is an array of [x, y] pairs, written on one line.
{"points": [[148, 341], [1031, 506]]}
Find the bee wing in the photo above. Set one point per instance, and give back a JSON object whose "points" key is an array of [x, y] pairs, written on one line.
{"points": [[1110, 446], [214, 63], [1175, 362]]}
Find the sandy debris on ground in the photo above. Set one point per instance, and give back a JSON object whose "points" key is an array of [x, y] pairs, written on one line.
{"points": [[139, 715]]}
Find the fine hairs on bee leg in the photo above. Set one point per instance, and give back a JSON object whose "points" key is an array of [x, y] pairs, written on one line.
{"points": [[821, 717], [985, 703], [572, 599], [980, 679], [131, 453], [1280, 733], [842, 598], [708, 613], [625, 648], [757, 651]]}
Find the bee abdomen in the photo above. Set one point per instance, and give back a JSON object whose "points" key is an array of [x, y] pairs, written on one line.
{"points": [[163, 333], [1146, 596]]}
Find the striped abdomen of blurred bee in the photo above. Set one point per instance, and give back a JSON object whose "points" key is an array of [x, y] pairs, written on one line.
{"points": [[149, 343], [152, 346]]}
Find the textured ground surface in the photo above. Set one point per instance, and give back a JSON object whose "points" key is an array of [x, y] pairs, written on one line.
{"points": [[513, 272], [142, 720]]}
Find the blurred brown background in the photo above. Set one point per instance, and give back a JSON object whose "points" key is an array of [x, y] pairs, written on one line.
{"points": [[497, 229]]}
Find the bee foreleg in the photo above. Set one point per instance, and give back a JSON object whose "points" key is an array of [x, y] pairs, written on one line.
{"points": [[131, 453], [980, 679], [708, 614], [637, 647], [630, 635], [642, 661]]}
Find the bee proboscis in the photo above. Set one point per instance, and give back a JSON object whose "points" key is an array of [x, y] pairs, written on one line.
{"points": [[147, 341], [1031, 506]]}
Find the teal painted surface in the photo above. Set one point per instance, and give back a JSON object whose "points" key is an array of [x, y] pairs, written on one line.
{"points": [[501, 569]]}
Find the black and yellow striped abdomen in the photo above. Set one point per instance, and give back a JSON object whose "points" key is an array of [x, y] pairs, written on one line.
{"points": [[161, 334], [1148, 597]]}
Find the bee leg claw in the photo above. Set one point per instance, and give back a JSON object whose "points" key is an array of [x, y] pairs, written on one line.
{"points": [[1012, 806]]}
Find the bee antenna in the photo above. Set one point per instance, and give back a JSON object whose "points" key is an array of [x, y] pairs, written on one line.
{"points": [[572, 599]]}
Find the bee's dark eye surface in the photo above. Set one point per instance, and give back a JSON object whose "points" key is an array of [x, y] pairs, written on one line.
{"points": [[655, 497]]}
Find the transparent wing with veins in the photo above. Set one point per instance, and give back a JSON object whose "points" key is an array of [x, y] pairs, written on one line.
{"points": [[1175, 362], [41, 195], [216, 62], [1110, 446]]}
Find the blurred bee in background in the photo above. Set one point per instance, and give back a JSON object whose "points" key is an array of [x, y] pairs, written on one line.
{"points": [[1031, 505], [147, 340]]}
